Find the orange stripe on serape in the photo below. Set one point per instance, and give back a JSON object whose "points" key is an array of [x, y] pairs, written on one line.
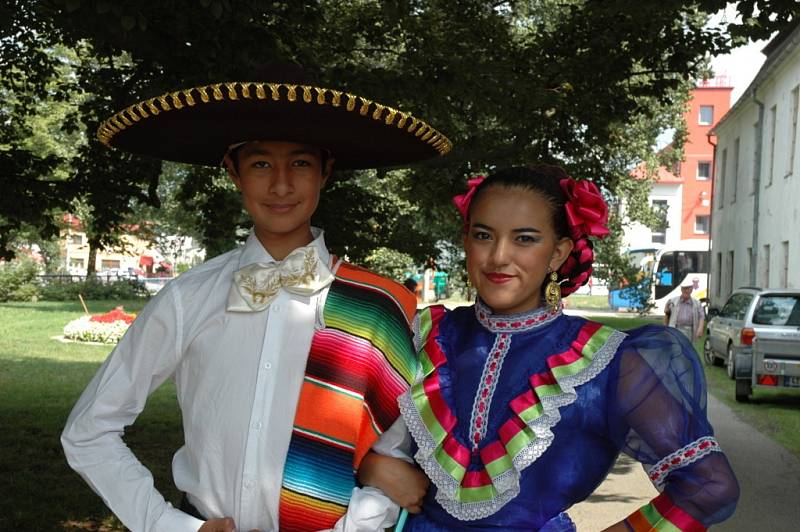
{"points": [[301, 513], [329, 412], [406, 300]]}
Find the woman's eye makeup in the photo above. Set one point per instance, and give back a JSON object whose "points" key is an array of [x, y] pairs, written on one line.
{"points": [[528, 239], [481, 235]]}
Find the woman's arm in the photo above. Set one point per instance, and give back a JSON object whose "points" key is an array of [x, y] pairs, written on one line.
{"points": [[402, 482]]}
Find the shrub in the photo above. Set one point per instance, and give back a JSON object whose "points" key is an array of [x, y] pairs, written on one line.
{"points": [[390, 263], [14, 275], [93, 289], [26, 292]]}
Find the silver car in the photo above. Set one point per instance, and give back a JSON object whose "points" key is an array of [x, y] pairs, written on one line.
{"points": [[757, 334]]}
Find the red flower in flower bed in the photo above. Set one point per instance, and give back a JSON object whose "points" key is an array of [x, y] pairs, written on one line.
{"points": [[118, 314]]}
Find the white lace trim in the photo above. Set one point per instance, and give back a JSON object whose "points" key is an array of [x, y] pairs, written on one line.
{"points": [[479, 419], [506, 484], [681, 458]]}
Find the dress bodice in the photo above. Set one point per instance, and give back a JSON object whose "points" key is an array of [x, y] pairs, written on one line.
{"points": [[515, 419]]}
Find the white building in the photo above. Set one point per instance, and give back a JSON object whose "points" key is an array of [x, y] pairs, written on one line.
{"points": [[755, 225]]}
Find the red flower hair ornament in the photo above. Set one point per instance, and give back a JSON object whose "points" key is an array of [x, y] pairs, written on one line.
{"points": [[587, 212], [462, 201]]}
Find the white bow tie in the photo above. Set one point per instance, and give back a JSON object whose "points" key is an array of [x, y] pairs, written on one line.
{"points": [[256, 285]]}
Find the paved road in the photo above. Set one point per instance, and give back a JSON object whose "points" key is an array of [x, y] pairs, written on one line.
{"points": [[769, 477]]}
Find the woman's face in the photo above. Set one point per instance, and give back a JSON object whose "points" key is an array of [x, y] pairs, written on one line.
{"points": [[510, 245]]}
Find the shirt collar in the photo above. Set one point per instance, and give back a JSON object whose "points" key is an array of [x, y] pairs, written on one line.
{"points": [[254, 251]]}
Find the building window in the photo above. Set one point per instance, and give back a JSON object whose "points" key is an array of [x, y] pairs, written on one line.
{"points": [[730, 273], [773, 119], [793, 132], [659, 232], [706, 115], [735, 170], [76, 239], [785, 265], [701, 224], [718, 288], [704, 170], [723, 165], [765, 271], [106, 264]]}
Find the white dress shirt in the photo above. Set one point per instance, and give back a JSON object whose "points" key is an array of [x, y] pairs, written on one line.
{"points": [[238, 377]]}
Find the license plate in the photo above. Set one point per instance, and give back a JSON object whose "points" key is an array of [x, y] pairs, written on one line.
{"points": [[792, 382]]}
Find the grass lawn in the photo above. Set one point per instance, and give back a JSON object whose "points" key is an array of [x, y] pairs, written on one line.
{"points": [[587, 302], [41, 378]]}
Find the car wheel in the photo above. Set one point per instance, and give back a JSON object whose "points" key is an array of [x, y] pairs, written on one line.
{"points": [[743, 390], [708, 354], [731, 363]]}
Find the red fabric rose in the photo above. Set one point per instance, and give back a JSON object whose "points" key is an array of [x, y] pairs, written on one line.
{"points": [[462, 201], [587, 212]]}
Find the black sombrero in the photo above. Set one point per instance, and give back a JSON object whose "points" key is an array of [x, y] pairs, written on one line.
{"points": [[198, 125]]}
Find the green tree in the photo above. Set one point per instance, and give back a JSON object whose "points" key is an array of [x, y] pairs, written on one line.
{"points": [[588, 84]]}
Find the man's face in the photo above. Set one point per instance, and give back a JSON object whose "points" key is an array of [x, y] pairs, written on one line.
{"points": [[686, 292], [280, 184]]}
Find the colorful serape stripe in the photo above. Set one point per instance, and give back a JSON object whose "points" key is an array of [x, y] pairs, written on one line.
{"points": [[357, 367], [662, 515]]}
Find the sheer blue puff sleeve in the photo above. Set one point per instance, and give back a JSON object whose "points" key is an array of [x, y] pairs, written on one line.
{"points": [[658, 416]]}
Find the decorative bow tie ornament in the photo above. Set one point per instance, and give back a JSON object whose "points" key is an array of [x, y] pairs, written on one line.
{"points": [[256, 285]]}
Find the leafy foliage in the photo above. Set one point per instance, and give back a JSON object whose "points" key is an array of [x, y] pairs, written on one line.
{"points": [[588, 84], [390, 263]]}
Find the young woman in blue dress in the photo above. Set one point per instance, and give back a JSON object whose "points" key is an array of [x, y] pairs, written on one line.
{"points": [[520, 411]]}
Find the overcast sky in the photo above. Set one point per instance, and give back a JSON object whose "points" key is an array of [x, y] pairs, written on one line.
{"points": [[741, 65]]}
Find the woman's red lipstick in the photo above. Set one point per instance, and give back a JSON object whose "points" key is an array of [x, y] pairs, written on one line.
{"points": [[498, 277]]}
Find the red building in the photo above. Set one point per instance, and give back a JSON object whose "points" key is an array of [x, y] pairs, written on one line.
{"points": [[709, 102]]}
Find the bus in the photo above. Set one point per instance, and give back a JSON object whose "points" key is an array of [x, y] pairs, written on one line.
{"points": [[666, 267]]}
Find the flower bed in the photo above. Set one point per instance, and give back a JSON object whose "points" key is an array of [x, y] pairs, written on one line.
{"points": [[105, 328]]}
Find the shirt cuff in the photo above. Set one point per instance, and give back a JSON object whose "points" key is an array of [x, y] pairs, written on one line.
{"points": [[369, 510]]}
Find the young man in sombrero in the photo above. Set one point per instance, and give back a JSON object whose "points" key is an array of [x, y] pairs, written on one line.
{"points": [[287, 361]]}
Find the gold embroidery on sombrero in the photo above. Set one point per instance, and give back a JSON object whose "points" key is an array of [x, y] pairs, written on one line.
{"points": [[120, 121]]}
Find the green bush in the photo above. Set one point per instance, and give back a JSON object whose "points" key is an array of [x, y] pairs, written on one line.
{"points": [[390, 263], [26, 292], [95, 290], [15, 274]]}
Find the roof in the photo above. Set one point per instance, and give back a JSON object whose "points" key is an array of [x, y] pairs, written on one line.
{"points": [[777, 51], [662, 174]]}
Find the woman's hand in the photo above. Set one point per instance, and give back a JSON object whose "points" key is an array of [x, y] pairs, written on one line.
{"points": [[402, 482]]}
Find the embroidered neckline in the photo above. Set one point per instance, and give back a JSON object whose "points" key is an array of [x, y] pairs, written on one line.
{"points": [[521, 440], [515, 323]]}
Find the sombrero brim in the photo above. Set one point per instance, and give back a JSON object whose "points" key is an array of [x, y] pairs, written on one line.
{"points": [[198, 125]]}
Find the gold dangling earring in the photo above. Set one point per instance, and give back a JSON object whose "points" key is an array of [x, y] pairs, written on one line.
{"points": [[553, 292]]}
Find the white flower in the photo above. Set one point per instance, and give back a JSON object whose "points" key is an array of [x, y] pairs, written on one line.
{"points": [[85, 330]]}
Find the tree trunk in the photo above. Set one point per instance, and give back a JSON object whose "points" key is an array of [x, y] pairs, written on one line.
{"points": [[90, 262]]}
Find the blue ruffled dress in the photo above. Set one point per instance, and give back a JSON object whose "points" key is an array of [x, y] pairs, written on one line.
{"points": [[517, 418]]}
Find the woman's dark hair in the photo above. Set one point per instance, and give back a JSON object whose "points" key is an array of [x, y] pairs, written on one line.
{"points": [[545, 180]]}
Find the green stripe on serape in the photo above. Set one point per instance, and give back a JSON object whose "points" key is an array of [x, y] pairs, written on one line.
{"points": [[370, 316]]}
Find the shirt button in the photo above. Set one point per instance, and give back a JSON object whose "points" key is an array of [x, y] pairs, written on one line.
{"points": [[276, 308], [257, 426], [267, 365], [249, 484]]}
